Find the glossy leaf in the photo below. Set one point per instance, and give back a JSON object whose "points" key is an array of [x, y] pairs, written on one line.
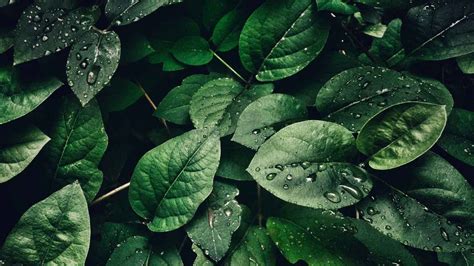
{"points": [[139, 250], [401, 133], [280, 38], [121, 94], [54, 231], [19, 96], [91, 63], [227, 31], [458, 138], [172, 180], [78, 142], [439, 30], [42, 31], [352, 97], [213, 10], [303, 164], [123, 12], [336, 6], [192, 50], [201, 259], [466, 63], [19, 146], [212, 228], [262, 117]]}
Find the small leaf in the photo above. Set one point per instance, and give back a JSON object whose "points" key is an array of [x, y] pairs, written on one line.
{"points": [[213, 10], [19, 95], [212, 228], [261, 118], [192, 50], [135, 46], [139, 250], [401, 133], [123, 12], [227, 31], [281, 38], [78, 142], [18, 147], [7, 38], [302, 164], [172, 180], [466, 63], [54, 231], [336, 6], [201, 259], [41, 31], [458, 138], [352, 97], [234, 160], [256, 246], [91, 63], [121, 94]]}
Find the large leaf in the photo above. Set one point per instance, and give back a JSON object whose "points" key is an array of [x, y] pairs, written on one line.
{"points": [[336, 6], [212, 228], [220, 102], [457, 259], [78, 142], [259, 120], [139, 250], [303, 164], [19, 146], [255, 247], [91, 63], [401, 133], [172, 180], [439, 29], [42, 31], [281, 38], [404, 219], [396, 4], [458, 138], [20, 95], [352, 97], [123, 12], [54, 231]]}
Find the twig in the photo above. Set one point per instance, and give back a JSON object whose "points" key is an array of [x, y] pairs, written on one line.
{"points": [[259, 205], [110, 193], [153, 105], [229, 67]]}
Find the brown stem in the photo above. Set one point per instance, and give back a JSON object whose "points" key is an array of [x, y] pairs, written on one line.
{"points": [[110, 193]]}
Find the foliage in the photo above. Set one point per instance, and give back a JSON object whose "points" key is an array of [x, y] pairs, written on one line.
{"points": [[237, 132]]}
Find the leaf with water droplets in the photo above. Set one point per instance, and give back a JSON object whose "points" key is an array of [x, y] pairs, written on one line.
{"points": [[353, 96], [123, 12], [457, 259], [172, 180], [201, 259], [20, 95], [19, 145], [139, 250], [304, 164], [78, 142], [439, 30], [393, 4], [261, 118], [458, 138], [281, 38], [92, 62], [42, 31], [219, 103], [212, 228], [54, 231], [401, 133], [402, 218]]}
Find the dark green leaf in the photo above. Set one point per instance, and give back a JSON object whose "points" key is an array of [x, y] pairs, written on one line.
{"points": [[7, 38], [54, 231], [213, 10], [201, 259], [227, 31], [396, 4], [256, 248], [336, 6], [121, 94], [135, 46], [466, 63], [457, 259], [234, 160], [123, 12], [192, 50], [172, 180], [281, 38]]}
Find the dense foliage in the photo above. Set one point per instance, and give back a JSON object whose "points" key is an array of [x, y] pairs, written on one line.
{"points": [[319, 132]]}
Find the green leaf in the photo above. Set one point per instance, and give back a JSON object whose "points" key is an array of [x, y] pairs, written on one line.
{"points": [[281, 38], [390, 4], [41, 32], [78, 142], [336, 6], [458, 138], [212, 228], [20, 95], [123, 12], [121, 94], [18, 147], [457, 259], [376, 30], [175, 105], [352, 97], [219, 103], [7, 38], [192, 50], [135, 46], [54, 231], [172, 180], [227, 31], [255, 247], [139, 250], [91, 63], [466, 63], [201, 259], [439, 30], [401, 133], [213, 10], [234, 160], [404, 219], [303, 164], [262, 117]]}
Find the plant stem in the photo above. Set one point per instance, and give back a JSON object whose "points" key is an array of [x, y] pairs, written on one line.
{"points": [[153, 105], [259, 205], [110, 193], [229, 67]]}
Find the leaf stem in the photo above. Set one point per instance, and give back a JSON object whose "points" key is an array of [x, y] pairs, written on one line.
{"points": [[110, 193], [153, 105], [229, 67], [259, 205]]}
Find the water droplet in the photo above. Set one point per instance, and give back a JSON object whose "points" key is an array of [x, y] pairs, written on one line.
{"points": [[322, 167], [437, 249], [294, 164], [228, 212], [36, 18], [257, 169], [271, 176], [388, 227], [333, 197], [279, 167], [84, 64], [311, 178], [47, 52], [444, 234], [285, 186], [289, 177], [305, 165], [356, 115], [256, 131], [92, 75], [372, 211], [353, 191]]}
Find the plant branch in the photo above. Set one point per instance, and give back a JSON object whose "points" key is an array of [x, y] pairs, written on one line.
{"points": [[259, 205], [229, 67], [110, 193], [153, 105]]}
